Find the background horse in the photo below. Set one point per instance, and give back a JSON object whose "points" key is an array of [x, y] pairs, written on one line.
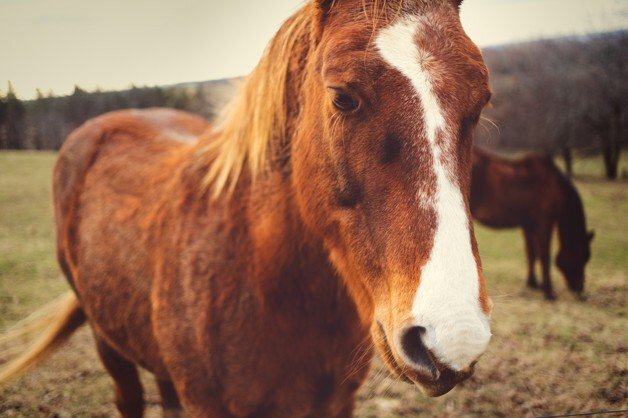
{"points": [[252, 270], [532, 193]]}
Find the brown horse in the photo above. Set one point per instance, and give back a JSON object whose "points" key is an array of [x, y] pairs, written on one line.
{"points": [[531, 193], [253, 270]]}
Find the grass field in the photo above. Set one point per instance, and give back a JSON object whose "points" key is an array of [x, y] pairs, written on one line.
{"points": [[545, 358]]}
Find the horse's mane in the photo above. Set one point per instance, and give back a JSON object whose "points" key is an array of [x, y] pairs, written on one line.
{"points": [[253, 124], [251, 129]]}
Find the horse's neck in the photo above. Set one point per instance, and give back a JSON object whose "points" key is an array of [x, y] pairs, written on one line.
{"points": [[289, 266], [571, 223]]}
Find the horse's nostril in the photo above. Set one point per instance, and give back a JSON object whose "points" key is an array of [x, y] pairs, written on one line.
{"points": [[415, 350]]}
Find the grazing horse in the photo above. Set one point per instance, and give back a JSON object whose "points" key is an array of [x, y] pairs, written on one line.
{"points": [[531, 193], [253, 270]]}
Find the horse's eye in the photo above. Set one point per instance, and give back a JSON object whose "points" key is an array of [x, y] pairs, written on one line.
{"points": [[344, 101]]}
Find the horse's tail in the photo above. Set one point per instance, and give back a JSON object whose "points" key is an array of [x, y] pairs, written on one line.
{"points": [[55, 322]]}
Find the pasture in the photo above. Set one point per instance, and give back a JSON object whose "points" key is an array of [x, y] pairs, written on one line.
{"points": [[545, 358]]}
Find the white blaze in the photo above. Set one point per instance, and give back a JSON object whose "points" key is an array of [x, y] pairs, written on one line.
{"points": [[446, 302]]}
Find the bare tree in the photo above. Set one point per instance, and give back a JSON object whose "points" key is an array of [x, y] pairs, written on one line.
{"points": [[558, 95], [12, 120], [608, 94]]}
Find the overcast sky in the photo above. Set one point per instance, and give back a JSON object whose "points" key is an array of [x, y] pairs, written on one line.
{"points": [[55, 44]]}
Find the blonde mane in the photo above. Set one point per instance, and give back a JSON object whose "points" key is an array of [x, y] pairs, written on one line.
{"points": [[252, 127]]}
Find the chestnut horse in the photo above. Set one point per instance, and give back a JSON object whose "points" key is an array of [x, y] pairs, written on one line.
{"points": [[531, 193], [327, 212]]}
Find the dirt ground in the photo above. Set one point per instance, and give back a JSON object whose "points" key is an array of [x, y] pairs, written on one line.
{"points": [[544, 359]]}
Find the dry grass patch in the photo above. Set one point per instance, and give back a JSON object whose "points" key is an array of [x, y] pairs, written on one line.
{"points": [[545, 358]]}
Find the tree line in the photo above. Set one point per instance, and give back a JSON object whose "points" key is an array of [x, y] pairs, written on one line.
{"points": [[556, 96], [44, 122]]}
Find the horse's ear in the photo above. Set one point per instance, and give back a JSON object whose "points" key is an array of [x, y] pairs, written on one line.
{"points": [[324, 5], [457, 3], [590, 235], [322, 9]]}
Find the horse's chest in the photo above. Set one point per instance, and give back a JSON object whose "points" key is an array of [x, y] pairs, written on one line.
{"points": [[306, 377], [299, 394]]}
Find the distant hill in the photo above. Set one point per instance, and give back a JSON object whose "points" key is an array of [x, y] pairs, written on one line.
{"points": [[218, 91], [558, 93], [551, 95]]}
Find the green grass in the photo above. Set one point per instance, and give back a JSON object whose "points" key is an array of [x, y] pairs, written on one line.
{"points": [[28, 271], [591, 166], [545, 358]]}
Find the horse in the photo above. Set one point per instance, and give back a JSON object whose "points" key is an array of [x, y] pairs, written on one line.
{"points": [[531, 193], [255, 269]]}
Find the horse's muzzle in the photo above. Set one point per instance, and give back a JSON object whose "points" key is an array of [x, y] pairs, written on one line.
{"points": [[423, 369], [445, 382], [416, 364]]}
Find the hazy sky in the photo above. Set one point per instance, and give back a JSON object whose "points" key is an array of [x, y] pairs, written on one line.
{"points": [[55, 44]]}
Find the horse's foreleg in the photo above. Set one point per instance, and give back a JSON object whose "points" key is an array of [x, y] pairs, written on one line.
{"points": [[544, 239], [530, 243], [169, 399], [128, 388]]}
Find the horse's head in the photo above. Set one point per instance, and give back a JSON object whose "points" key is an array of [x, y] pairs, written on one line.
{"points": [[571, 259], [381, 168]]}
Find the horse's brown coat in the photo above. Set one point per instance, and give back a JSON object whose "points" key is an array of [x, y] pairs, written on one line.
{"points": [[247, 269], [532, 194]]}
